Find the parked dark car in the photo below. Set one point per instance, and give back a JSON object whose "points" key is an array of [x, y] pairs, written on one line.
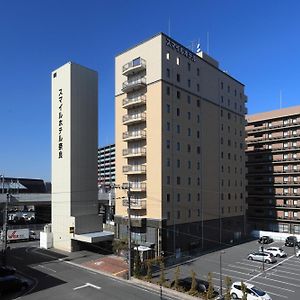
{"points": [[265, 240], [291, 241], [5, 270], [11, 283], [186, 283]]}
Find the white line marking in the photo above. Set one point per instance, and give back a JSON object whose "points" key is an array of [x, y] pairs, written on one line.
{"points": [[47, 268], [259, 282], [278, 295], [244, 268], [280, 271], [271, 268], [284, 276], [87, 285]]}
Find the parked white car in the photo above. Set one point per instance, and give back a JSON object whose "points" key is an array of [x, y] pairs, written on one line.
{"points": [[276, 251], [253, 293], [298, 253]]}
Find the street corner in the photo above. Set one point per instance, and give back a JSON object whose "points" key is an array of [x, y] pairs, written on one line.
{"points": [[113, 265]]}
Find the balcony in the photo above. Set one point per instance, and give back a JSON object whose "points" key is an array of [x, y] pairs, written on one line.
{"points": [[134, 135], [134, 152], [138, 186], [134, 66], [134, 101], [135, 203], [134, 85], [280, 126], [134, 169], [134, 118]]}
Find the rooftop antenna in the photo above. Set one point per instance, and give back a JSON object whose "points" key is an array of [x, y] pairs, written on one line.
{"points": [[207, 39], [169, 27], [280, 99]]}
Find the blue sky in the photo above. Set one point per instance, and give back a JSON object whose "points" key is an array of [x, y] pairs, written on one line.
{"points": [[256, 41]]}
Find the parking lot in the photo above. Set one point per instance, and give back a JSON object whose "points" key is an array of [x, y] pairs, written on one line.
{"points": [[281, 280]]}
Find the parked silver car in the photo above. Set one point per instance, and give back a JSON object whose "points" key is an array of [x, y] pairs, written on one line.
{"points": [[262, 256]]}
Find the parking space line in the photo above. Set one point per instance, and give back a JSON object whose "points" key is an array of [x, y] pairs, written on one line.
{"points": [[291, 273], [258, 282], [278, 295], [289, 268], [251, 265], [291, 264], [284, 276], [244, 268]]}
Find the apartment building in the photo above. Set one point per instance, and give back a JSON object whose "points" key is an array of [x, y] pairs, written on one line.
{"points": [[273, 161], [180, 131], [106, 165]]}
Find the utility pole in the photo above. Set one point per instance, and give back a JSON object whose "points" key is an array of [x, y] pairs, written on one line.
{"points": [[129, 232], [221, 276]]}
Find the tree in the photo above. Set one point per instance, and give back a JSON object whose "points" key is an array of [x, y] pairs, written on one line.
{"points": [[149, 270], [162, 279], [193, 290], [120, 245], [176, 279], [244, 291], [210, 290], [137, 265], [228, 283]]}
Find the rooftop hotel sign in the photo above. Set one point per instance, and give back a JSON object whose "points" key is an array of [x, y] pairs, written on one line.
{"points": [[180, 49]]}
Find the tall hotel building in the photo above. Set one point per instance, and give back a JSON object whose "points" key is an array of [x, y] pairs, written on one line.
{"points": [[180, 144], [273, 145]]}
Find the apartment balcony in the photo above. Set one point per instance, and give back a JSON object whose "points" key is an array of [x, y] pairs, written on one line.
{"points": [[134, 85], [134, 101], [134, 118], [134, 66], [135, 203], [134, 169], [138, 186], [281, 126], [134, 135], [134, 152]]}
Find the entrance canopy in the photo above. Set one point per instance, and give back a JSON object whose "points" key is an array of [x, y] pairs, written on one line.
{"points": [[94, 237]]}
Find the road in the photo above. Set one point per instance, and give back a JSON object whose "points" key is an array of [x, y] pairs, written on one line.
{"points": [[52, 277]]}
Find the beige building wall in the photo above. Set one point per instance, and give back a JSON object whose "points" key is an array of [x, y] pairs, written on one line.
{"points": [[74, 153]]}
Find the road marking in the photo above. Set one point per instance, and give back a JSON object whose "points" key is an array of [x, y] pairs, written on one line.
{"points": [[278, 295], [289, 268], [259, 282], [244, 268], [120, 272], [271, 268], [87, 285], [288, 272], [283, 275], [47, 268]]}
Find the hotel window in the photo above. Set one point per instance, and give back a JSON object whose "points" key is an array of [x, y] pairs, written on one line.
{"points": [[228, 209], [198, 134], [178, 61], [168, 197], [178, 163], [198, 87], [189, 82], [189, 181], [286, 168], [178, 197], [270, 125], [168, 215], [285, 190], [168, 55], [189, 99], [178, 94], [294, 144], [295, 179], [198, 180], [294, 155], [168, 108], [178, 146], [198, 118], [295, 191], [168, 90], [235, 92], [168, 162], [285, 179], [188, 148], [189, 197], [294, 132], [198, 165], [177, 112], [285, 133], [229, 116], [222, 99], [285, 145], [222, 85], [222, 209], [295, 168], [286, 214], [228, 88], [189, 131], [198, 210], [198, 71], [178, 214], [270, 135], [198, 149], [189, 164], [285, 156], [168, 72], [168, 144], [198, 102], [228, 102], [178, 128], [168, 126], [178, 77], [295, 202], [168, 180], [178, 180], [189, 66], [295, 215], [198, 197], [285, 122]]}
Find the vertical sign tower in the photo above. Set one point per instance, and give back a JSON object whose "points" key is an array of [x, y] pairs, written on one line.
{"points": [[74, 154]]}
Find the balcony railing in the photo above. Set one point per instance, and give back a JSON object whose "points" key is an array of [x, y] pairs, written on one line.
{"points": [[134, 101], [135, 203], [130, 152], [132, 118], [134, 66], [138, 186], [131, 85], [273, 127], [134, 169], [134, 135]]}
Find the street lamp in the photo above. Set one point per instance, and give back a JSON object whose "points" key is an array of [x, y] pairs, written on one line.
{"points": [[221, 279]]}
